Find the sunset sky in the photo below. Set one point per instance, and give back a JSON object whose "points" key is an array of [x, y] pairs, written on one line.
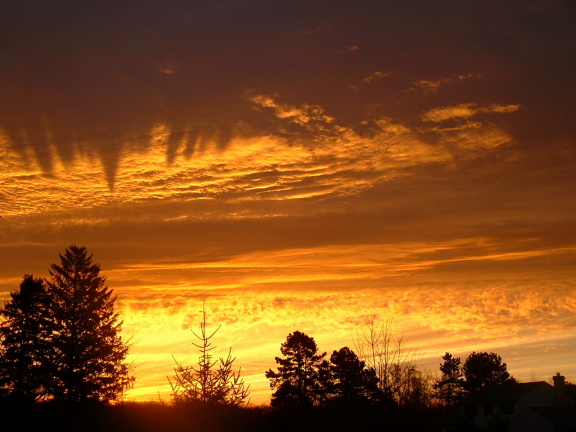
{"points": [[300, 165]]}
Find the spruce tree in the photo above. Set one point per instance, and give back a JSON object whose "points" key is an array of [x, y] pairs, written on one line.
{"points": [[210, 381], [89, 361], [25, 333]]}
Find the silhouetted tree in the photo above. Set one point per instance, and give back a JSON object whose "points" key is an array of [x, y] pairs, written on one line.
{"points": [[415, 391], [206, 383], [26, 334], [301, 377], [395, 364], [350, 381], [450, 387], [481, 369], [89, 353]]}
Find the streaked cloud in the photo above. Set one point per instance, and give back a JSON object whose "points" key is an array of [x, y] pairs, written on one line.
{"points": [[310, 155], [465, 111], [370, 79], [256, 320], [433, 86]]}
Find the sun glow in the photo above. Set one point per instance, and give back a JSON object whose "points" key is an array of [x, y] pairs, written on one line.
{"points": [[308, 290]]}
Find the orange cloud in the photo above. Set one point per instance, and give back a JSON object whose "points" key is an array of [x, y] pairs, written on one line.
{"points": [[465, 111], [370, 79], [313, 156], [430, 86], [256, 321]]}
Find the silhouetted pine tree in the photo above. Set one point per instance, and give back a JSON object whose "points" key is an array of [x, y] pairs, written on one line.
{"points": [[26, 333], [89, 353], [450, 387], [351, 383], [482, 369], [298, 381], [212, 382]]}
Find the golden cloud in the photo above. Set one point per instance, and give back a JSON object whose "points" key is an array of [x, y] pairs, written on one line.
{"points": [[256, 321], [312, 156], [465, 111]]}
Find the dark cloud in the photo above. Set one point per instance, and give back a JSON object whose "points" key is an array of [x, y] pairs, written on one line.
{"points": [[89, 79]]}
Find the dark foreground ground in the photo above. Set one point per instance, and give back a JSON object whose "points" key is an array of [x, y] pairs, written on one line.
{"points": [[158, 417]]}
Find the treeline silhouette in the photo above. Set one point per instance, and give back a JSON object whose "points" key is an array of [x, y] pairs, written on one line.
{"points": [[62, 367]]}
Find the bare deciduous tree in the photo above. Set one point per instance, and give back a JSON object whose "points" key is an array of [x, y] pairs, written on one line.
{"points": [[396, 365]]}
